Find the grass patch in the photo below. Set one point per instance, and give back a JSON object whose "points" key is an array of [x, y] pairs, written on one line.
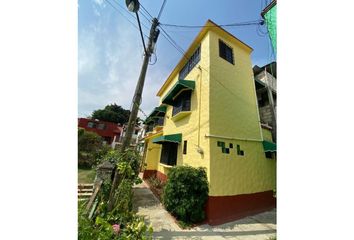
{"points": [[86, 175]]}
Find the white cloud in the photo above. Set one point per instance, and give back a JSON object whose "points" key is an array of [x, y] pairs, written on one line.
{"points": [[99, 2], [110, 60]]}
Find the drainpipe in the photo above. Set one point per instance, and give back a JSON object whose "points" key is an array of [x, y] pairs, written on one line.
{"points": [[259, 118], [200, 103], [199, 149]]}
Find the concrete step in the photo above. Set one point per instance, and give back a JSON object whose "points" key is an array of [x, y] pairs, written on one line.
{"points": [[85, 185], [84, 195], [85, 191]]}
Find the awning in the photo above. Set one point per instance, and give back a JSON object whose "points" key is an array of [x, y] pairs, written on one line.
{"points": [[181, 84], [174, 138], [158, 112], [269, 146]]}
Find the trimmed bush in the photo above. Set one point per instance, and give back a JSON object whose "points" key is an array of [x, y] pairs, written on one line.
{"points": [[186, 193]]}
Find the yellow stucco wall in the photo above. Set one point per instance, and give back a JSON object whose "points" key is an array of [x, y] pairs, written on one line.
{"points": [[194, 126], [233, 104], [267, 135], [233, 174], [153, 153], [234, 114]]}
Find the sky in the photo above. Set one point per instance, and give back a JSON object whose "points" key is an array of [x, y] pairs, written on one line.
{"points": [[110, 50]]}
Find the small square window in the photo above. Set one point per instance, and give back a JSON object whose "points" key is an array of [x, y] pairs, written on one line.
{"points": [[268, 155], [231, 145], [101, 126], [226, 52], [91, 125], [185, 147]]}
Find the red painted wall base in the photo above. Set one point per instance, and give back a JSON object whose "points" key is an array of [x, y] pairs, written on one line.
{"points": [[155, 173], [222, 209]]}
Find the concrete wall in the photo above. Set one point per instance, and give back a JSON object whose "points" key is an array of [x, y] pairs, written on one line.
{"points": [[268, 79], [266, 114]]}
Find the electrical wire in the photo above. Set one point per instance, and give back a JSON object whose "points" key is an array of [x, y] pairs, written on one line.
{"points": [[141, 32], [180, 50], [161, 9], [147, 18], [130, 14], [154, 54], [124, 16], [248, 23], [146, 11], [170, 39]]}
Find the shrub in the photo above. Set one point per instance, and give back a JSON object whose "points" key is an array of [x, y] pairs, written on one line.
{"points": [[129, 156], [89, 144], [186, 193], [120, 223]]}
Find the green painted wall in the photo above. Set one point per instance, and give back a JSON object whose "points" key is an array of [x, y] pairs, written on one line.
{"points": [[271, 21]]}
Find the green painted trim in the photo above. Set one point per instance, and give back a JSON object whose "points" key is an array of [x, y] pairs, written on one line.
{"points": [[175, 138], [156, 113], [269, 146], [180, 84]]}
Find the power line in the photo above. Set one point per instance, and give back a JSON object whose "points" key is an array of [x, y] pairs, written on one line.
{"points": [[181, 51], [172, 42], [146, 11], [142, 13], [255, 22], [124, 16], [141, 32], [161, 9], [130, 14]]}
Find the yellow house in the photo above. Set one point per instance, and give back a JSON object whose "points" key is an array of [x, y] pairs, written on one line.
{"points": [[208, 117]]}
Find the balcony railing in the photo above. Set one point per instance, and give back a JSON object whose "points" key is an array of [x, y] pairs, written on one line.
{"points": [[185, 107], [159, 122], [149, 128]]}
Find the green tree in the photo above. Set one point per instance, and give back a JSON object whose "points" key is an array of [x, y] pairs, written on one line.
{"points": [[112, 113]]}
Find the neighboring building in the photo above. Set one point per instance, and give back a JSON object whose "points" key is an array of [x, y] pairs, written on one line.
{"points": [[134, 140], [270, 16], [208, 117], [267, 76], [109, 131]]}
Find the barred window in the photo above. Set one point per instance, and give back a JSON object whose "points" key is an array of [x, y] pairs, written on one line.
{"points": [[226, 52], [192, 61]]}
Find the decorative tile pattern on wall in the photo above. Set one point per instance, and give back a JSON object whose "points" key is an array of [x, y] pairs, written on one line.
{"points": [[239, 151], [227, 150]]}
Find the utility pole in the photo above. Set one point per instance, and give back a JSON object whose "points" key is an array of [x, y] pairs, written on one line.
{"points": [[154, 32]]}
